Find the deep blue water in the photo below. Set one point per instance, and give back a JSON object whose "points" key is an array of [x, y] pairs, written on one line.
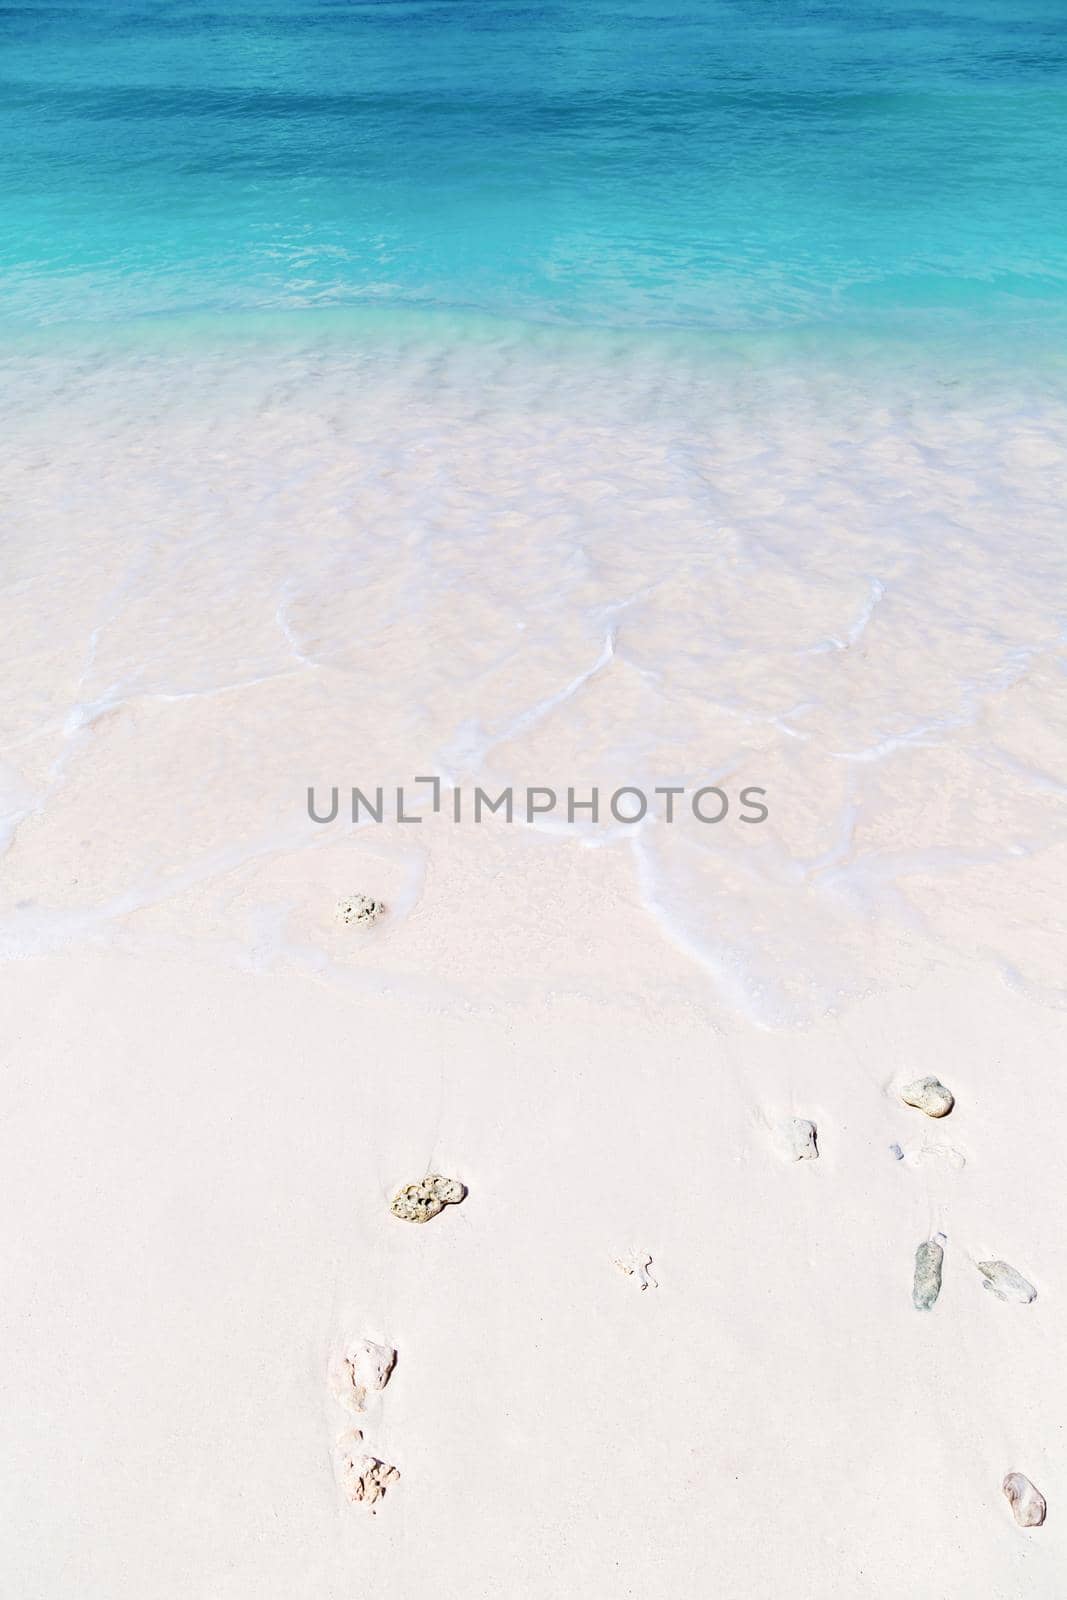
{"points": [[724, 164]]}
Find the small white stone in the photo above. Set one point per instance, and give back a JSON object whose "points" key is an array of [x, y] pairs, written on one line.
{"points": [[929, 1095], [927, 1285], [1007, 1284], [361, 909], [1026, 1502], [797, 1139], [361, 1368], [418, 1202]]}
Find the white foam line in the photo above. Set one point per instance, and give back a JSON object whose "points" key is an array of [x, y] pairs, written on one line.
{"points": [[925, 734], [709, 960], [469, 748], [1012, 671], [995, 756], [543, 708], [857, 629], [290, 638], [839, 851]]}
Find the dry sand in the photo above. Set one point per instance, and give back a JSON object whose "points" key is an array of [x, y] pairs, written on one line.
{"points": [[199, 1166]]}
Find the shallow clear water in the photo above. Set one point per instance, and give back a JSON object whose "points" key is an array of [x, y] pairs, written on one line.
{"points": [[575, 394]]}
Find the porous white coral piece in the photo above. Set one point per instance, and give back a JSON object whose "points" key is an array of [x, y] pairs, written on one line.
{"points": [[364, 1479], [418, 1202], [360, 908]]}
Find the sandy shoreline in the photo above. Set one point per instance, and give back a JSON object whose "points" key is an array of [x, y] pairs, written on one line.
{"points": [[229, 589]]}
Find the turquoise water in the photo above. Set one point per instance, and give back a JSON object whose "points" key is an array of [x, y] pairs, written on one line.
{"points": [[728, 165]]}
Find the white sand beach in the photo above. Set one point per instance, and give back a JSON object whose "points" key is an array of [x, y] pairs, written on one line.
{"points": [[215, 1085]]}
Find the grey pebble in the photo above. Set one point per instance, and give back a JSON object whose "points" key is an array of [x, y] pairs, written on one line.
{"points": [[1007, 1284], [927, 1286]]}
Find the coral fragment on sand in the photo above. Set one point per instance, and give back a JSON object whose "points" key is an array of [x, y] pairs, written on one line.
{"points": [[927, 1286], [636, 1265], [798, 1139], [364, 1479], [929, 1095], [418, 1202], [1027, 1503], [361, 909], [361, 1368], [1007, 1284]]}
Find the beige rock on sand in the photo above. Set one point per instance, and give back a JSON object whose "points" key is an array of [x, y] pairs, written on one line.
{"points": [[418, 1202], [929, 1095]]}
